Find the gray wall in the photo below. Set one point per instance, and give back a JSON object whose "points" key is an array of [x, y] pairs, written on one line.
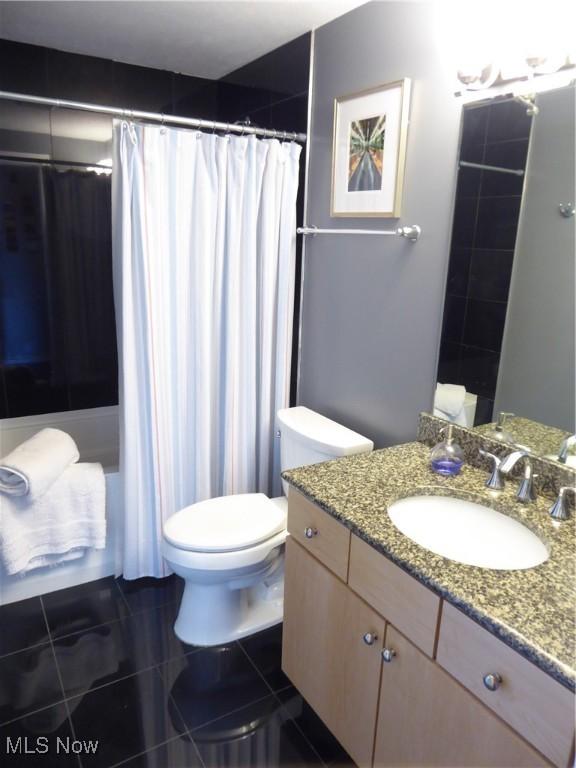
{"points": [[536, 374], [372, 307]]}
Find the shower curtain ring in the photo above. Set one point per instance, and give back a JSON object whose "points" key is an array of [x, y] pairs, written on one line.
{"points": [[162, 126]]}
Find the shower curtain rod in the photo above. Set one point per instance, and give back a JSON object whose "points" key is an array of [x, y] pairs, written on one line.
{"points": [[136, 114]]}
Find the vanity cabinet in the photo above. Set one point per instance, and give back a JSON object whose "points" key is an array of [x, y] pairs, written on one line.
{"points": [[396, 674]]}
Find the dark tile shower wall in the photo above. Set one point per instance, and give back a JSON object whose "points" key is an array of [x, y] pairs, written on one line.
{"points": [[44, 374], [486, 215]]}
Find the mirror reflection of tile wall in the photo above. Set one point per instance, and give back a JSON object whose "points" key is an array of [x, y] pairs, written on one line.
{"points": [[486, 216]]}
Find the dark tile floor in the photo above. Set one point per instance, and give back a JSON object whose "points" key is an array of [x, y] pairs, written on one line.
{"points": [[100, 663]]}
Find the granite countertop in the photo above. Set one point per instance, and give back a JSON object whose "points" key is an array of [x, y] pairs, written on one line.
{"points": [[531, 610], [541, 439]]}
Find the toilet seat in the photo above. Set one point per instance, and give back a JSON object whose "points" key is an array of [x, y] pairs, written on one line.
{"points": [[226, 524]]}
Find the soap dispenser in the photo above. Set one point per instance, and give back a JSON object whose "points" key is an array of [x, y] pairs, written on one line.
{"points": [[499, 433], [447, 457]]}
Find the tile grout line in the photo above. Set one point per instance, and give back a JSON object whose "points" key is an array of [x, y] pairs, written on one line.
{"points": [[253, 663], [226, 714], [177, 708], [162, 744], [84, 693], [283, 708], [297, 725], [106, 623], [26, 648], [123, 596], [231, 712], [154, 665], [60, 680], [45, 617]]}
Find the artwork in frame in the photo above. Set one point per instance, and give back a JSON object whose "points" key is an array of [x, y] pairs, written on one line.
{"points": [[368, 151]]}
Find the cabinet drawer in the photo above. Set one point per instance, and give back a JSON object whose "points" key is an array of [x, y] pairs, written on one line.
{"points": [[328, 540], [402, 600], [534, 704]]}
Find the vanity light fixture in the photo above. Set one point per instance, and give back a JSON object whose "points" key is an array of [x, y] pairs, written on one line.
{"points": [[491, 43], [493, 74]]}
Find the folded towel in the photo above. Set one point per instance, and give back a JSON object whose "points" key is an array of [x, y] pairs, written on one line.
{"points": [[31, 468], [449, 399], [59, 525]]}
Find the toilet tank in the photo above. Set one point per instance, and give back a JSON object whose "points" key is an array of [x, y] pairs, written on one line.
{"points": [[307, 437]]}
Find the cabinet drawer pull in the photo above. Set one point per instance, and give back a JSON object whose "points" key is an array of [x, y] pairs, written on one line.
{"points": [[492, 681], [388, 654], [370, 638], [310, 532]]}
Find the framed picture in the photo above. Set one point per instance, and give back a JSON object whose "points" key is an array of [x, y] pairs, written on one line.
{"points": [[368, 151]]}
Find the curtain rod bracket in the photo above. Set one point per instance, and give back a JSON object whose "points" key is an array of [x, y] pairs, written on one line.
{"points": [[411, 232]]}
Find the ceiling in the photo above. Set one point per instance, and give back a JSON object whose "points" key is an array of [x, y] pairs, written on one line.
{"points": [[208, 38]]}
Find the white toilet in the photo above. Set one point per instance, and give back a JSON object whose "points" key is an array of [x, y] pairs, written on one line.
{"points": [[229, 550]]}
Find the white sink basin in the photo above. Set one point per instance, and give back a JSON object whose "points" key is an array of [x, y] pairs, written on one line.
{"points": [[467, 532]]}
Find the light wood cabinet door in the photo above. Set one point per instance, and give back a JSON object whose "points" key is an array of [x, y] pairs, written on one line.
{"points": [[324, 652], [427, 719]]}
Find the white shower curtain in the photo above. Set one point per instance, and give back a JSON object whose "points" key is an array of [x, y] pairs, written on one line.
{"points": [[204, 250]]}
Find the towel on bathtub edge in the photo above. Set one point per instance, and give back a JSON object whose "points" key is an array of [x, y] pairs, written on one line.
{"points": [[59, 526]]}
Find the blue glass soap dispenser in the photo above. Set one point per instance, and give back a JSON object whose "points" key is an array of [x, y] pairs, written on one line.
{"points": [[447, 457]]}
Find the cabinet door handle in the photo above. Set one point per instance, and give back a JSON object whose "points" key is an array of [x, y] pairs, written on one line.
{"points": [[492, 681], [370, 638], [388, 654], [310, 532]]}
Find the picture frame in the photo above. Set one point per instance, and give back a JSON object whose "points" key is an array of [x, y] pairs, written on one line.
{"points": [[369, 151]]}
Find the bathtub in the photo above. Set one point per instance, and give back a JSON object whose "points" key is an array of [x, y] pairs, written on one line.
{"points": [[96, 434]]}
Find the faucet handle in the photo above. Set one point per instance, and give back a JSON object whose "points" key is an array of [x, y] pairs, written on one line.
{"points": [[558, 510], [495, 481]]}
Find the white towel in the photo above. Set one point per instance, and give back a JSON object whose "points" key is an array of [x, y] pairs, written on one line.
{"points": [[58, 526], [32, 467], [449, 399]]}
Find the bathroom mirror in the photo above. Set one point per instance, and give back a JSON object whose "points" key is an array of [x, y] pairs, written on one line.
{"points": [[508, 333]]}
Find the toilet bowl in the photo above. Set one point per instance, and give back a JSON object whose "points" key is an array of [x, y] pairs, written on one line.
{"points": [[230, 550]]}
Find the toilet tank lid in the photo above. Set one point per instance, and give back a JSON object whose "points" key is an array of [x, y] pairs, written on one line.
{"points": [[321, 433]]}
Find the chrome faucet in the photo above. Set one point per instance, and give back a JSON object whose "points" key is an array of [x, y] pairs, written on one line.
{"points": [[567, 443], [558, 510], [495, 482], [526, 492]]}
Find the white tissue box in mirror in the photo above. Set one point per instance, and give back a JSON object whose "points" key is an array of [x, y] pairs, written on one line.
{"points": [[94, 430], [453, 403], [469, 408]]}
